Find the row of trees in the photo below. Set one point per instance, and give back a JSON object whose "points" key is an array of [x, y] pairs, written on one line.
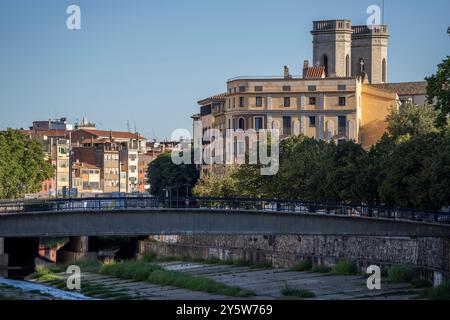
{"points": [[409, 167], [23, 167]]}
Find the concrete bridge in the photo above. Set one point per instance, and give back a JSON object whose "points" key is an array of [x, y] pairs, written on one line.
{"points": [[21, 227]]}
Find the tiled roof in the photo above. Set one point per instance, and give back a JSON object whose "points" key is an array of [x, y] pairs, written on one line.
{"points": [[114, 134], [315, 72], [220, 96], [404, 88]]}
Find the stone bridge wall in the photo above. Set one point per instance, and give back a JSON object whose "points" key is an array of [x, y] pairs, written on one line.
{"points": [[428, 256]]}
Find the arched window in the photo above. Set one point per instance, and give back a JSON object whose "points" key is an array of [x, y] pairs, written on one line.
{"points": [[347, 66], [383, 71], [241, 124], [325, 64]]}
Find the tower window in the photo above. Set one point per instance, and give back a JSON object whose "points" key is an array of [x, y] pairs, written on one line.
{"points": [[383, 71], [347, 66], [325, 64]]}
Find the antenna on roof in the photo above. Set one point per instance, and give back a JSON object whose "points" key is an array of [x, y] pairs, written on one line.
{"points": [[128, 126]]}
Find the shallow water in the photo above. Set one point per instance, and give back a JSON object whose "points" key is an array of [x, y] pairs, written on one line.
{"points": [[31, 286]]}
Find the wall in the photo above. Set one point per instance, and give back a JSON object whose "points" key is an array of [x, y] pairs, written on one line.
{"points": [[426, 255]]}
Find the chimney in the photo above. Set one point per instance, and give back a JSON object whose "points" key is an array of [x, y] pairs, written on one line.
{"points": [[305, 67], [286, 73]]}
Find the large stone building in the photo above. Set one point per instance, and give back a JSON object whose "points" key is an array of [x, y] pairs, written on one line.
{"points": [[343, 95]]}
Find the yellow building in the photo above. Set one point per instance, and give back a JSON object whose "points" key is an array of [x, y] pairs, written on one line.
{"points": [[86, 178]]}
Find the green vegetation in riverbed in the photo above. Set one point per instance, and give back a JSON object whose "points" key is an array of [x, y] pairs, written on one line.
{"points": [[345, 268], [399, 274], [441, 292], [321, 269], [144, 271], [296, 293]]}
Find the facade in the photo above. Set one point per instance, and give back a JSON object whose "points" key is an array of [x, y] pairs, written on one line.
{"points": [[408, 92], [337, 98], [86, 178], [51, 125], [144, 160]]}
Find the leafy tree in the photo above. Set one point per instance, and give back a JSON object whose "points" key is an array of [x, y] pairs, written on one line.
{"points": [[23, 167], [411, 120], [214, 185], [417, 173], [163, 173], [438, 92]]}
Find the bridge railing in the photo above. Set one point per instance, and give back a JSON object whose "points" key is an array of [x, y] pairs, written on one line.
{"points": [[230, 204]]}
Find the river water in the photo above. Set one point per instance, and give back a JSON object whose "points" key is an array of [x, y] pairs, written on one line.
{"points": [[32, 286]]}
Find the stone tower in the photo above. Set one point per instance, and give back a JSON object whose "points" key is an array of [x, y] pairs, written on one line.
{"points": [[370, 52], [332, 46]]}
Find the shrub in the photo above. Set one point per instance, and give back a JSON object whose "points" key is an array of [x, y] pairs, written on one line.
{"points": [[321, 269], [441, 292], [290, 292], [345, 268], [399, 274]]}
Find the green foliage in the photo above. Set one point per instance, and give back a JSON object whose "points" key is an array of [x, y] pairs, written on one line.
{"points": [[421, 284], [22, 165], [213, 185], [302, 266], [142, 271], [441, 292], [163, 173], [297, 293], [345, 268], [438, 92], [411, 120], [399, 274]]}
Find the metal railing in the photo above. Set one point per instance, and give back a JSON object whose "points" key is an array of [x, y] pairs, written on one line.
{"points": [[228, 204]]}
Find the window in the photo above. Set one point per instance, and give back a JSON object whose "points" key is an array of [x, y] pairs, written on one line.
{"points": [[312, 88], [241, 102], [342, 102], [342, 87], [347, 66], [342, 125], [287, 102], [241, 123], [325, 64], [287, 125], [242, 89], [312, 121], [312, 101], [259, 101], [259, 123], [286, 88], [258, 88], [383, 71]]}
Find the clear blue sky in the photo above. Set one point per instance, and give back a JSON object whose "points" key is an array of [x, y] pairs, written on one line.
{"points": [[150, 61]]}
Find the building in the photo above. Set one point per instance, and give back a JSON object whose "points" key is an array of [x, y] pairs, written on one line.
{"points": [[408, 92], [144, 160], [52, 124], [339, 97], [86, 178]]}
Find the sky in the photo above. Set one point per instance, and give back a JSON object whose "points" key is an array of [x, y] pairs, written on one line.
{"points": [[148, 62]]}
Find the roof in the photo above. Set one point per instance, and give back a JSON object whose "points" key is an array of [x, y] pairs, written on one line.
{"points": [[114, 134], [404, 88], [314, 72], [217, 97], [48, 133]]}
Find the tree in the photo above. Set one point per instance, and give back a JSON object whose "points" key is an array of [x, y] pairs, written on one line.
{"points": [[416, 173], [218, 186], [163, 173], [23, 167], [438, 92], [411, 120]]}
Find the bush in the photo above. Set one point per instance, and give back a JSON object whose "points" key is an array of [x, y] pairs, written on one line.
{"points": [[421, 284], [297, 293], [441, 292], [345, 268], [399, 274], [302, 266]]}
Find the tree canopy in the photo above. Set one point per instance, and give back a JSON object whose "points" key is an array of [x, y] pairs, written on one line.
{"points": [[438, 92], [23, 167], [163, 173]]}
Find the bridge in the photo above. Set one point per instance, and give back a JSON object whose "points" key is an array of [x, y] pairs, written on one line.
{"points": [[144, 216]]}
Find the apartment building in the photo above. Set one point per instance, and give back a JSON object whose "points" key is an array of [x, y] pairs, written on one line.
{"points": [[86, 178]]}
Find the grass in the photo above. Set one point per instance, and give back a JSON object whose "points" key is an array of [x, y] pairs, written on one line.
{"points": [[46, 275], [345, 268], [144, 271], [151, 257], [302, 266], [441, 292], [421, 284], [296, 293], [321, 269], [399, 274]]}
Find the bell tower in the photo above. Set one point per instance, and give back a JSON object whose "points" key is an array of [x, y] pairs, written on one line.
{"points": [[370, 52], [332, 46]]}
